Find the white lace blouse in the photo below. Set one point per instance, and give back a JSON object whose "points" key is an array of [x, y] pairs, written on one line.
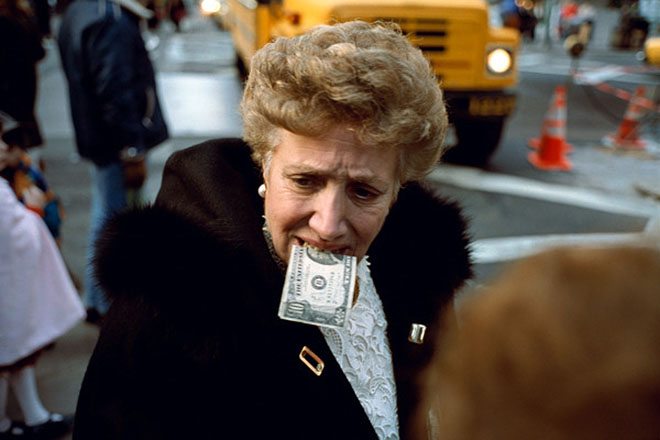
{"points": [[363, 353]]}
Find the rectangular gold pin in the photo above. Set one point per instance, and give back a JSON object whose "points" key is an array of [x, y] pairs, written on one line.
{"points": [[417, 333], [313, 362]]}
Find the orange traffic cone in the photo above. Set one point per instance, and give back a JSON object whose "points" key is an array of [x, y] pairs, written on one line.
{"points": [[552, 147], [627, 136]]}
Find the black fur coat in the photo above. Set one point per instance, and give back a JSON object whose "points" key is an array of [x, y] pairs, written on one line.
{"points": [[192, 346]]}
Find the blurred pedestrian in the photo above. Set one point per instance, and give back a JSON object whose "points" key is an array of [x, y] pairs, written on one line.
{"points": [[564, 345], [574, 16], [177, 12], [510, 14], [114, 107], [340, 125], [519, 15], [42, 10], [20, 51], [38, 304]]}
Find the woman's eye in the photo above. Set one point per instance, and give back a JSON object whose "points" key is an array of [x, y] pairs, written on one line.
{"points": [[303, 182], [363, 193]]}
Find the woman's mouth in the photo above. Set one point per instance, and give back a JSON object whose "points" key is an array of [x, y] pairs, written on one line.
{"points": [[325, 247]]}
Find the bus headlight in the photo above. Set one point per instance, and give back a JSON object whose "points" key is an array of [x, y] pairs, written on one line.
{"points": [[210, 7], [499, 61]]}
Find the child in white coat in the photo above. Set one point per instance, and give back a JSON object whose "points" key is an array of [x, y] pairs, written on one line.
{"points": [[38, 303]]}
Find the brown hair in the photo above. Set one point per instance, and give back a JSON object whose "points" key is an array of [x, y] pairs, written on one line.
{"points": [[368, 77], [566, 344]]}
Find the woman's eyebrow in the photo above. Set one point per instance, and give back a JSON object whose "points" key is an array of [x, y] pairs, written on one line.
{"points": [[372, 180], [303, 169], [356, 176]]}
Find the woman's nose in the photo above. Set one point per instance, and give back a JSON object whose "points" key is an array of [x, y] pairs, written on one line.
{"points": [[329, 220]]}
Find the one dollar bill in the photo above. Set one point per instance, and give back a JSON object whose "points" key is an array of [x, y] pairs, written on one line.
{"points": [[319, 287]]}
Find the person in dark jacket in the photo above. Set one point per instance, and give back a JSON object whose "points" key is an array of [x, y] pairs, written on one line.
{"points": [[340, 124], [114, 106], [41, 10], [20, 51]]}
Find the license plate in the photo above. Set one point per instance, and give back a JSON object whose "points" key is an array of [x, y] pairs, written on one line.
{"points": [[491, 105]]}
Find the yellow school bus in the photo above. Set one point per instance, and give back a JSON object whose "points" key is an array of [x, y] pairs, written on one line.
{"points": [[474, 62]]}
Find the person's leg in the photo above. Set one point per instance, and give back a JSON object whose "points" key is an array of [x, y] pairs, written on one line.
{"points": [[5, 422], [38, 422], [108, 197], [24, 385]]}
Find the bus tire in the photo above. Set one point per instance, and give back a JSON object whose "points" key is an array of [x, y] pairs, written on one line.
{"points": [[477, 141], [241, 67]]}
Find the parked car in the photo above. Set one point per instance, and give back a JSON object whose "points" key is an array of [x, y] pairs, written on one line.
{"points": [[631, 30]]}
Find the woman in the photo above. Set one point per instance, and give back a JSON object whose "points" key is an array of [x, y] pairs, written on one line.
{"points": [[340, 121]]}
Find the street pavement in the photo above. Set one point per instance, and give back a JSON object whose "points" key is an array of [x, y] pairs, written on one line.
{"points": [[200, 94]]}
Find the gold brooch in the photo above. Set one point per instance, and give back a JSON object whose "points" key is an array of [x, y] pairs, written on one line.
{"points": [[313, 362]]}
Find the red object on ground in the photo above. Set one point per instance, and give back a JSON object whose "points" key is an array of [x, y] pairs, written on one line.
{"points": [[551, 147], [627, 136]]}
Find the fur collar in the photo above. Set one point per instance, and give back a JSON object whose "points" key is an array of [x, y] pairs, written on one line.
{"points": [[205, 230]]}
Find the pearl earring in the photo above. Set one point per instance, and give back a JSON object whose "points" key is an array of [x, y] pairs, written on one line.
{"points": [[262, 190]]}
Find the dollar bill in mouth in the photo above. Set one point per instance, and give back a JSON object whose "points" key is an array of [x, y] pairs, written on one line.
{"points": [[319, 287]]}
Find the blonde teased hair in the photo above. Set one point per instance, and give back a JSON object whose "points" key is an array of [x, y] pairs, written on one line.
{"points": [[367, 77]]}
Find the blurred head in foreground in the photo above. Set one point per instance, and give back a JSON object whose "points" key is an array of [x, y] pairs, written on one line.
{"points": [[564, 345]]}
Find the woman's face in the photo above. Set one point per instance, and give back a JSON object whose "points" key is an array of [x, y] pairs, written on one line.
{"points": [[331, 192]]}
